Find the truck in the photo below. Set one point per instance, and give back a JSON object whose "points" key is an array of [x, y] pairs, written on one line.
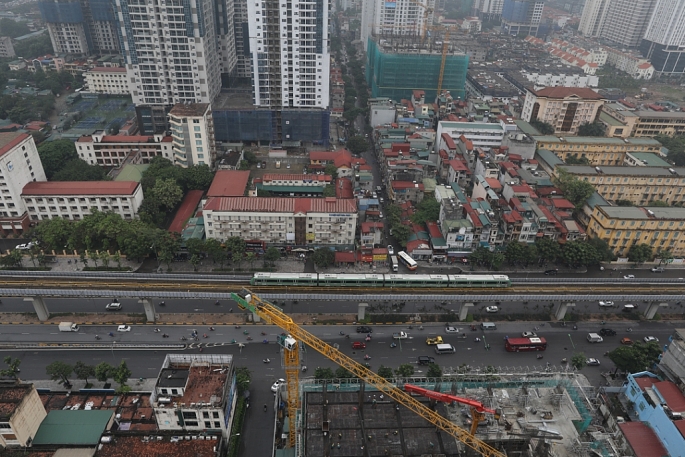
{"points": [[395, 263], [68, 327], [399, 336]]}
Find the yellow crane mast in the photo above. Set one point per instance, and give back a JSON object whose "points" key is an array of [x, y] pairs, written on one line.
{"points": [[274, 315], [445, 44], [291, 359]]}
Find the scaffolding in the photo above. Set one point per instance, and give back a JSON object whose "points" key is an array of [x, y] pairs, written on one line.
{"points": [[395, 70]]}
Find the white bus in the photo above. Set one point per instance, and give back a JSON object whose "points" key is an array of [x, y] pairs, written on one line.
{"points": [[395, 265], [407, 260]]}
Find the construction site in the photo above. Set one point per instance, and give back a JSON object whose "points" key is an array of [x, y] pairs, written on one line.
{"points": [[541, 411], [398, 64]]}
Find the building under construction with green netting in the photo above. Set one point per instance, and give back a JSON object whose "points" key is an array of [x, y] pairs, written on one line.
{"points": [[397, 65]]}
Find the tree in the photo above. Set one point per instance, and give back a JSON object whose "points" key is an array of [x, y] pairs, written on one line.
{"points": [[195, 246], [637, 357], [331, 170], [167, 193], [13, 259], [577, 253], [401, 234], [481, 256], [343, 373], [542, 127], [405, 370], [243, 376], [324, 373], [114, 128], [575, 190], [664, 256], [80, 170], [578, 360], [195, 261], [624, 203], [426, 211], [592, 129], [103, 371], [272, 255], [251, 257], [514, 253], [357, 144], [434, 371], [198, 177], [84, 371], [235, 245], [604, 252], [54, 155], [12, 367], [121, 373], [329, 191], [385, 372], [13, 29], [59, 371], [323, 257], [640, 253], [548, 250], [659, 203], [573, 160], [217, 252]]}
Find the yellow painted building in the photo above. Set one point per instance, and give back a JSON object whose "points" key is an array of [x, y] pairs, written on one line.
{"points": [[598, 150], [640, 185], [21, 413], [622, 226]]}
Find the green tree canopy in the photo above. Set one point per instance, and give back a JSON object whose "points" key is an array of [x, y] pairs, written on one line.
{"points": [[575, 190], [548, 250], [428, 210], [577, 254], [542, 127], [243, 377], [59, 371], [103, 371], [640, 253], [331, 170], [54, 155], [636, 357], [323, 257], [385, 372], [405, 370], [357, 144], [434, 371], [84, 371], [167, 192], [324, 373], [13, 29], [591, 129], [80, 170], [578, 360], [121, 373]]}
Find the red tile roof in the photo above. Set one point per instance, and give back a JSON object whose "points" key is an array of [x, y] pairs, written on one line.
{"points": [[433, 230], [406, 185], [643, 440], [400, 147], [281, 205], [672, 395], [563, 92], [346, 257], [367, 226], [185, 212], [458, 165], [645, 381], [229, 183], [80, 188], [448, 141], [562, 203], [493, 183], [8, 140], [343, 188], [467, 143]]}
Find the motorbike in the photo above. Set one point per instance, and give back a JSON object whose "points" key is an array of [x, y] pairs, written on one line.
{"points": [[157, 330], [347, 336], [393, 345], [204, 335], [473, 328], [476, 339], [217, 303], [211, 329], [97, 337], [367, 357], [245, 332], [629, 330], [249, 338], [164, 335], [266, 361], [564, 360], [304, 368], [111, 334], [162, 303], [265, 341], [263, 333], [237, 326], [575, 327], [421, 327], [233, 341], [341, 333], [368, 338], [183, 338], [539, 356]]}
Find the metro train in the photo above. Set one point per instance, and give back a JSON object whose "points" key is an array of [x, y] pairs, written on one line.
{"points": [[378, 280]]}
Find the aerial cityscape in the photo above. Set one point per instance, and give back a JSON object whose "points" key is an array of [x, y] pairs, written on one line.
{"points": [[342, 228]]}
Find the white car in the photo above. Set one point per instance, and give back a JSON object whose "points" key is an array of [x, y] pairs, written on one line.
{"points": [[606, 303], [491, 309], [277, 385], [114, 306], [380, 215], [592, 362], [391, 250], [529, 334], [25, 246], [124, 328], [628, 276], [450, 329], [651, 339]]}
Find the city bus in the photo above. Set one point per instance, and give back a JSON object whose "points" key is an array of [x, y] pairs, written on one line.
{"points": [[525, 344], [395, 265], [407, 260]]}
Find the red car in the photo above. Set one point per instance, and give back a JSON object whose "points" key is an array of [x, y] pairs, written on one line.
{"points": [[358, 345]]}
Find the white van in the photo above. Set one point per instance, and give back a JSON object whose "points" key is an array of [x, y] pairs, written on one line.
{"points": [[444, 349], [594, 338], [627, 308], [488, 326]]}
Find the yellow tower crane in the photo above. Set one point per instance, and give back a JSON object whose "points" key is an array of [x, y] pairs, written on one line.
{"points": [[274, 315], [445, 45]]}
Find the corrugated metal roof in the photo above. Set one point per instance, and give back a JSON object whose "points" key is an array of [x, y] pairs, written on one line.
{"points": [[73, 427], [643, 440], [282, 205], [229, 183], [80, 188]]}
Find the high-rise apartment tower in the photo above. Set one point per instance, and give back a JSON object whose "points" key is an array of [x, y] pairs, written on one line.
{"points": [[664, 40]]}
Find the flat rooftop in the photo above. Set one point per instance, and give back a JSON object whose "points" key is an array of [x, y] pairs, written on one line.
{"points": [[159, 445], [363, 423], [234, 100], [205, 384], [623, 171]]}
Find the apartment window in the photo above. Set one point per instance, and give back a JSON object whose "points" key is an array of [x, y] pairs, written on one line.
{"points": [[208, 424], [217, 424], [196, 128], [215, 414]]}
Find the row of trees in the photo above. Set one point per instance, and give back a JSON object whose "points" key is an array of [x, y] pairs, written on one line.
{"points": [[676, 148], [62, 371], [405, 370], [61, 162]]}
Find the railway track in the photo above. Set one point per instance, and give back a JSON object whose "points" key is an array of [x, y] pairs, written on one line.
{"points": [[133, 283]]}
